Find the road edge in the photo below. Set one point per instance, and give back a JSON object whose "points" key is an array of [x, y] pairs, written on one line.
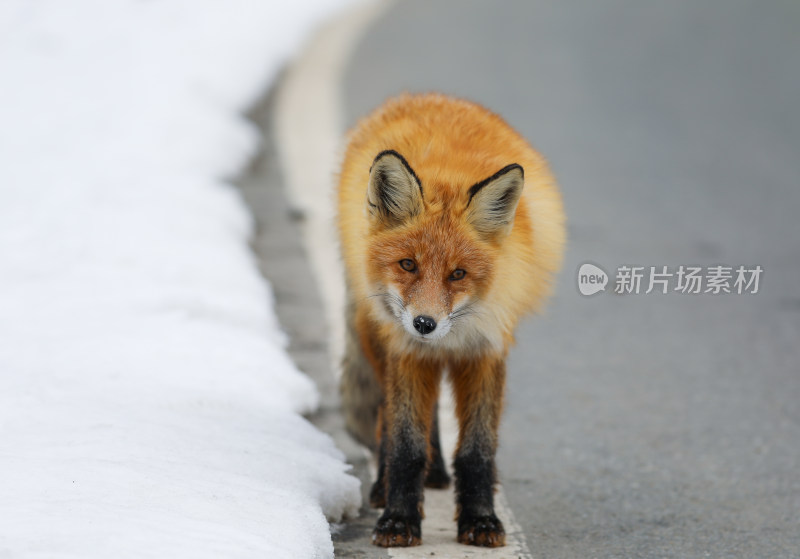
{"points": [[309, 128]]}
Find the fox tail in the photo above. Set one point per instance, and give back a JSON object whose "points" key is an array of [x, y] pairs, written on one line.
{"points": [[359, 388]]}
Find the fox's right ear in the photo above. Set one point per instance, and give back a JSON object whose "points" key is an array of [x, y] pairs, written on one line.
{"points": [[394, 194]]}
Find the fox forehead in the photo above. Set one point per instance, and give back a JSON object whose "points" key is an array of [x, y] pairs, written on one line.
{"points": [[433, 242]]}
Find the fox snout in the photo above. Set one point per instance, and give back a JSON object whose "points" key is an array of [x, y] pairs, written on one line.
{"points": [[424, 324]]}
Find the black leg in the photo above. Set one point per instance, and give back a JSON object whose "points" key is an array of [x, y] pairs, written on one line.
{"points": [[377, 495], [475, 478], [437, 476], [401, 521], [478, 388], [412, 390]]}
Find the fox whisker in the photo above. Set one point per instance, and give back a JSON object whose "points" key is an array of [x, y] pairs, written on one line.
{"points": [[391, 301], [464, 311]]}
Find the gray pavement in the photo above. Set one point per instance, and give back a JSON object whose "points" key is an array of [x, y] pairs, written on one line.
{"points": [[279, 249], [640, 425]]}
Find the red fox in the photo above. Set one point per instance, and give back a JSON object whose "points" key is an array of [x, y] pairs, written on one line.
{"points": [[451, 228]]}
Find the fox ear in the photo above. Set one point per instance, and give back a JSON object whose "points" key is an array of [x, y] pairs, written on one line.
{"points": [[394, 194], [493, 202]]}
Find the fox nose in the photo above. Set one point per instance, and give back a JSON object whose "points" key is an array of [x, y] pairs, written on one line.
{"points": [[424, 324]]}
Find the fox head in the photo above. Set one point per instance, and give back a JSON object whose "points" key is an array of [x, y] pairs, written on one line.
{"points": [[432, 252]]}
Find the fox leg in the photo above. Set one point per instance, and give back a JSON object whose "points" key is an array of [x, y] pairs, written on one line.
{"points": [[437, 476], [377, 495], [478, 388], [412, 388]]}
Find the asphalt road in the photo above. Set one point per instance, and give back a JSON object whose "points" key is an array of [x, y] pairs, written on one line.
{"points": [[640, 425]]}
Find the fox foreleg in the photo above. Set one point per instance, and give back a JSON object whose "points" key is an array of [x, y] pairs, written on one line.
{"points": [[412, 388], [478, 388]]}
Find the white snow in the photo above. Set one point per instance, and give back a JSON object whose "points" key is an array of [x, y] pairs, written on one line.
{"points": [[147, 405]]}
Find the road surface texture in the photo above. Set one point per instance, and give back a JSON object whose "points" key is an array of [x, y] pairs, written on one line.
{"points": [[637, 425], [640, 425]]}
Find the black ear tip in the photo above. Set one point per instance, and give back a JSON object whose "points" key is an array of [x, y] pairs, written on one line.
{"points": [[475, 188], [386, 153], [513, 167]]}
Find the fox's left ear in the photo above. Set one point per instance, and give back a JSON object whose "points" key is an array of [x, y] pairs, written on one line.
{"points": [[493, 202]]}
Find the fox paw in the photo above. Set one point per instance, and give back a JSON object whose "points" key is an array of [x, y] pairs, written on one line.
{"points": [[395, 531], [484, 531], [377, 495]]}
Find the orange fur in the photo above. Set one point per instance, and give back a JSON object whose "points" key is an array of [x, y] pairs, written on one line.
{"points": [[449, 145]]}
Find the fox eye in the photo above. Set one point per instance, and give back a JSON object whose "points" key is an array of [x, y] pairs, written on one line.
{"points": [[458, 274], [408, 265]]}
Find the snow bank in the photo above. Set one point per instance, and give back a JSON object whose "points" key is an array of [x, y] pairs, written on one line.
{"points": [[147, 407]]}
